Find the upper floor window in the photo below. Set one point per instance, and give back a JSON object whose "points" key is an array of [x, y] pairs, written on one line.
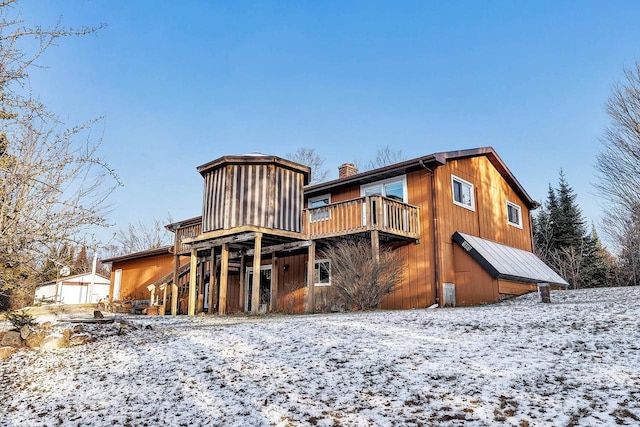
{"points": [[514, 215], [393, 188], [463, 193], [318, 202]]}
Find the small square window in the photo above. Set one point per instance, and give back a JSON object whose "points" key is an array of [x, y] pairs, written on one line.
{"points": [[462, 193], [514, 215], [322, 273]]}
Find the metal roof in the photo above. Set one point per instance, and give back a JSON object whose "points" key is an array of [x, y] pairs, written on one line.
{"points": [[505, 262]]}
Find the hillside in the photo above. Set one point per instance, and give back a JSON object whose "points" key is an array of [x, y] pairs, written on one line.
{"points": [[573, 362]]}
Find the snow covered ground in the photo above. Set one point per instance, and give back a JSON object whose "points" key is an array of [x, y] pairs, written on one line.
{"points": [[573, 362]]}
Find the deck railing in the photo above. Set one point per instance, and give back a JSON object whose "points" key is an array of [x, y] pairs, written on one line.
{"points": [[363, 214], [187, 232]]}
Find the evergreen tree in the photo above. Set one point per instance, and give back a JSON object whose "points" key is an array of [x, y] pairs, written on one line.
{"points": [[561, 240], [81, 264], [570, 226]]}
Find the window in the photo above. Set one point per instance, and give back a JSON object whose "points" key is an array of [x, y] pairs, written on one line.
{"points": [[514, 215], [318, 202], [322, 273], [393, 188], [462, 193]]}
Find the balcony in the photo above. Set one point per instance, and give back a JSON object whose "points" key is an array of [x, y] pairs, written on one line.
{"points": [[189, 231], [388, 216]]}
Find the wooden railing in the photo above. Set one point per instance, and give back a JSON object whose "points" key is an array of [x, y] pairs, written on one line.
{"points": [[187, 232], [363, 214]]}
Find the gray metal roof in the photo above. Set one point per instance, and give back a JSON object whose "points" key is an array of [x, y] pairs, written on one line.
{"points": [[505, 262]]}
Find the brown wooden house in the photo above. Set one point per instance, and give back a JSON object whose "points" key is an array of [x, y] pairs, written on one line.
{"points": [[460, 220]]}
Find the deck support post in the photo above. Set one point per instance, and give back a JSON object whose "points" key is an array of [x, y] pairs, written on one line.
{"points": [[255, 286], [202, 269], [174, 287], [375, 245], [311, 264], [243, 276], [224, 279], [193, 273], [274, 282], [212, 281]]}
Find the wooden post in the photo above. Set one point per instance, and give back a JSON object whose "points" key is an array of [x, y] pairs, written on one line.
{"points": [[224, 276], [203, 267], [243, 267], [375, 245], [174, 288], [174, 299], [311, 265], [192, 282], [255, 286], [164, 297], [274, 282], [212, 280]]}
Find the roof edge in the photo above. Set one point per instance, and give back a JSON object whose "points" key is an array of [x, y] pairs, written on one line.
{"points": [[136, 255]]}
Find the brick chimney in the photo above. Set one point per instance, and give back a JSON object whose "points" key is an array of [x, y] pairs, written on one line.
{"points": [[347, 169]]}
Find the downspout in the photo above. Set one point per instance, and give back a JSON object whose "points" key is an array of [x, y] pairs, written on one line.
{"points": [[436, 262]]}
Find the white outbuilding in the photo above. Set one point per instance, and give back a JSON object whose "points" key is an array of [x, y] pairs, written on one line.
{"points": [[85, 288]]}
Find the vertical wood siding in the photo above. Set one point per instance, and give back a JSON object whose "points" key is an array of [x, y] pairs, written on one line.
{"points": [[259, 195], [137, 274], [488, 221]]}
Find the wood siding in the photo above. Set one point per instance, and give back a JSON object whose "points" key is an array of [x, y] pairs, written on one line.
{"points": [[487, 221], [137, 274], [265, 196], [417, 289]]}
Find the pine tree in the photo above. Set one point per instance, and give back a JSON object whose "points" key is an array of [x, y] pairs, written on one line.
{"points": [[561, 241], [81, 264], [570, 227]]}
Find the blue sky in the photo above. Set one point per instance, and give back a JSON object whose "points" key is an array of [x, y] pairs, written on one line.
{"points": [[182, 83]]}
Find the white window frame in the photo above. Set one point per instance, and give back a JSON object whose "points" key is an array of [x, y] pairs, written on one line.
{"points": [[315, 199], [519, 210], [315, 265], [382, 183], [472, 206]]}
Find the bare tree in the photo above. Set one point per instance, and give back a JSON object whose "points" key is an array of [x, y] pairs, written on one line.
{"points": [[359, 279], [309, 157], [141, 236], [618, 164], [385, 156], [53, 184]]}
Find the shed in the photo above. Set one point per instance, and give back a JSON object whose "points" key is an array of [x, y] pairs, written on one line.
{"points": [[82, 288]]}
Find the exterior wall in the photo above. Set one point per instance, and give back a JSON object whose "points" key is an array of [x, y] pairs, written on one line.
{"points": [[260, 195], [74, 290], [515, 288], [417, 289], [488, 221], [137, 274], [46, 291], [473, 284]]}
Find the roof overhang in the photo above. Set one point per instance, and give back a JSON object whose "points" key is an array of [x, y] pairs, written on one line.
{"points": [[139, 255], [430, 162], [255, 159], [507, 263]]}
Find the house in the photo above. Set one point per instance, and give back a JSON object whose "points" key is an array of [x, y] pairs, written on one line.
{"points": [[132, 274], [460, 220], [85, 288]]}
